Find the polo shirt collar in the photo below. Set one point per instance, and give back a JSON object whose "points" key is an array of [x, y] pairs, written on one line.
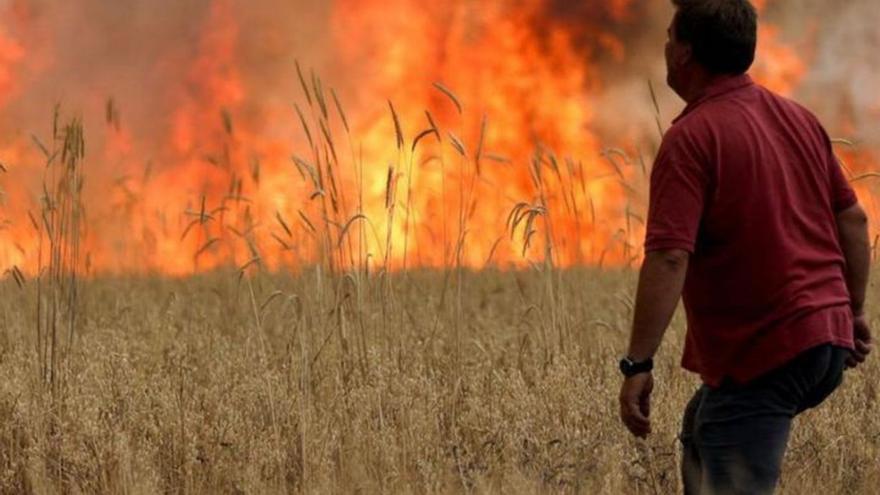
{"points": [[719, 87]]}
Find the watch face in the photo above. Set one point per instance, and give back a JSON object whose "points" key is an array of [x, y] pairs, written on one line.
{"points": [[629, 368]]}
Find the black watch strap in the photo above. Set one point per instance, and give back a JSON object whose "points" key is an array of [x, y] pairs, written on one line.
{"points": [[631, 368]]}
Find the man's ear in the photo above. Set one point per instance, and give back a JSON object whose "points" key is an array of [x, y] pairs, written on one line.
{"points": [[685, 55]]}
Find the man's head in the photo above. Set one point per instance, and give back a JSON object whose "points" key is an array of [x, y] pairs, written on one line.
{"points": [[710, 38]]}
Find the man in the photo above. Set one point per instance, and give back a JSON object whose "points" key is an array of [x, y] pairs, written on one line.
{"points": [[752, 220]]}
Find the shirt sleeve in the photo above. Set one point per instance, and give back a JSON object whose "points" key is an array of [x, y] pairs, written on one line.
{"points": [[842, 194], [678, 190]]}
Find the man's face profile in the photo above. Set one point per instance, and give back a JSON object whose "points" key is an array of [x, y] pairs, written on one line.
{"points": [[677, 55]]}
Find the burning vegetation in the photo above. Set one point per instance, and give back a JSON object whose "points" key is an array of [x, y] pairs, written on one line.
{"points": [[383, 136]]}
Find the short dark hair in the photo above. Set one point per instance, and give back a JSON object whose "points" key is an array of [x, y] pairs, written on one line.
{"points": [[722, 33]]}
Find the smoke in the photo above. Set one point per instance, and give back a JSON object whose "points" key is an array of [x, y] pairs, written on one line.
{"points": [[140, 54], [143, 55], [843, 47]]}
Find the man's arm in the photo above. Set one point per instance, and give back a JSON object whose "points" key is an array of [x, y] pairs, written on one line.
{"points": [[660, 284], [852, 228]]}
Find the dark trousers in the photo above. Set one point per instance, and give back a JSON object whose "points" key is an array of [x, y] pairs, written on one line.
{"points": [[734, 436]]}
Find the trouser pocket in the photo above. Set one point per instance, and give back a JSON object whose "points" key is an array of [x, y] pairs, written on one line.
{"points": [[831, 376]]}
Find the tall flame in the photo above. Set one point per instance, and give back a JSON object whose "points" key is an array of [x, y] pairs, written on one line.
{"points": [[778, 65], [521, 86]]}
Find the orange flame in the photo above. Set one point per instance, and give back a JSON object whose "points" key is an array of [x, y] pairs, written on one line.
{"points": [[531, 87], [461, 133], [778, 67], [11, 52]]}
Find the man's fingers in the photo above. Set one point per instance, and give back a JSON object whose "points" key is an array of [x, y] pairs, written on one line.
{"points": [[639, 431], [638, 428], [862, 331], [854, 361], [863, 347], [635, 421], [634, 411], [635, 405]]}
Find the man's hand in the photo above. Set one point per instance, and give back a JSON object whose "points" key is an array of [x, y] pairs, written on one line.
{"points": [[635, 403], [864, 342]]}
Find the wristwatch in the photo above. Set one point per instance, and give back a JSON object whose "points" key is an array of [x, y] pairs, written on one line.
{"points": [[631, 368]]}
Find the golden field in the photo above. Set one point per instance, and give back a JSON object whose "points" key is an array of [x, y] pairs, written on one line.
{"points": [[451, 381]]}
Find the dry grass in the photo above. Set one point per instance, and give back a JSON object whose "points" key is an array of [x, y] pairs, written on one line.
{"points": [[314, 383]]}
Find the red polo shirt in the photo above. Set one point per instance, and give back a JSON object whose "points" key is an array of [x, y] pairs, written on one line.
{"points": [[747, 182]]}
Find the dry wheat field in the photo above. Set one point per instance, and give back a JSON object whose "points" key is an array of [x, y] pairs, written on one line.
{"points": [[442, 382]]}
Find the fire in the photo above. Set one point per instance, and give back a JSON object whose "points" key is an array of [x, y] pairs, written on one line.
{"points": [[454, 132], [523, 89], [13, 251], [778, 65], [11, 52]]}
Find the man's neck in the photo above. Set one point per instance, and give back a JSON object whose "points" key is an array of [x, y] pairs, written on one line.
{"points": [[697, 84]]}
